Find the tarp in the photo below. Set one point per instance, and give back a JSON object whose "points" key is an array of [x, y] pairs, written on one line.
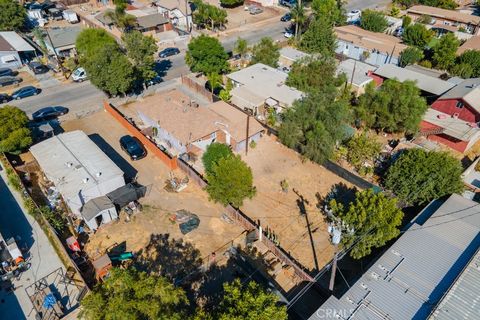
{"points": [[126, 194]]}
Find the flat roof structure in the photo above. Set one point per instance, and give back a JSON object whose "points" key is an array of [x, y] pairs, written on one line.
{"points": [[452, 15], [266, 82], [77, 167], [467, 90], [11, 41], [63, 37], [292, 54], [361, 76], [411, 277], [454, 127], [424, 82]]}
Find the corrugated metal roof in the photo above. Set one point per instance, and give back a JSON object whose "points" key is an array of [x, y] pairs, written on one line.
{"points": [[292, 53], [424, 82], [361, 77], [17, 42], [410, 278], [78, 168], [468, 90], [462, 301], [96, 205]]}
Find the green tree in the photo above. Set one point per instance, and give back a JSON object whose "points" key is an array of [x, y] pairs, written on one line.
{"points": [[140, 50], [130, 294], [215, 151], [410, 55], [15, 135], [225, 94], [362, 148], [462, 70], [12, 15], [109, 70], [406, 21], [91, 40], [299, 16], [205, 54], [444, 53], [373, 219], [266, 52], [54, 218], [395, 11], [119, 16], [207, 15], [419, 176], [373, 21], [395, 107], [444, 4], [249, 302], [313, 73], [471, 58], [330, 10], [231, 3], [417, 35], [241, 47], [215, 81], [319, 38], [315, 124], [230, 180]]}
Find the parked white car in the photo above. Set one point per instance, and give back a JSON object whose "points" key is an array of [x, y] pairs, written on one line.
{"points": [[354, 16], [79, 75], [288, 34]]}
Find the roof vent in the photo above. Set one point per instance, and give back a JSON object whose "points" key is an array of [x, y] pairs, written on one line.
{"points": [[455, 115], [85, 180], [98, 174], [69, 164]]}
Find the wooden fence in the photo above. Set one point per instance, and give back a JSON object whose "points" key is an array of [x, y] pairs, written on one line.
{"points": [[197, 88]]}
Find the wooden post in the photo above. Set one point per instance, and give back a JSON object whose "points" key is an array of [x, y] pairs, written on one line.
{"points": [[56, 55], [334, 270], [246, 138]]}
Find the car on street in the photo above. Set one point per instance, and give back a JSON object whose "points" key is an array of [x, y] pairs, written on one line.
{"points": [[4, 97], [133, 147], [25, 92], [79, 75], [6, 72], [286, 17], [255, 10], [48, 113], [9, 80], [155, 80], [37, 67], [167, 52], [288, 34], [354, 16], [288, 3], [398, 32]]}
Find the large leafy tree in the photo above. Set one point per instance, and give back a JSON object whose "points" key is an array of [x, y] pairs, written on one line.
{"points": [[266, 52], [444, 53], [319, 37], [12, 15], [299, 16], [315, 124], [249, 301], [215, 151], [231, 3], [410, 55], [373, 21], [140, 50], [312, 73], [395, 107], [372, 219], [362, 148], [330, 10], [230, 180], [417, 35], [91, 39], [109, 69], [15, 136], [207, 15], [129, 294], [472, 59], [205, 54], [419, 176], [119, 16], [241, 47]]}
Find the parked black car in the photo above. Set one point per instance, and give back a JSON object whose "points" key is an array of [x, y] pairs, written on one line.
{"points": [[6, 72], [133, 147], [25, 92], [286, 17], [8, 80], [49, 113], [37, 67], [4, 97], [167, 52]]}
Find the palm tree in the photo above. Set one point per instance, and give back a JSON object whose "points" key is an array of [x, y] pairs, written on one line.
{"points": [[299, 16], [215, 80]]}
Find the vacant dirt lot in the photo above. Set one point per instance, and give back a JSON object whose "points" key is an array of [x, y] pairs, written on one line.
{"points": [[212, 233], [271, 162]]}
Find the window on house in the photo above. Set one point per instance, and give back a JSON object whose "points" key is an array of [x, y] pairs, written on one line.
{"points": [[459, 105]]}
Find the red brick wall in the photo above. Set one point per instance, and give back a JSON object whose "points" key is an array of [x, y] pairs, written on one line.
{"points": [[152, 148], [449, 107]]}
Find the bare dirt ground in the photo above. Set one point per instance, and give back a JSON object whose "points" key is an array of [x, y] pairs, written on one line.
{"points": [[159, 204], [271, 162]]}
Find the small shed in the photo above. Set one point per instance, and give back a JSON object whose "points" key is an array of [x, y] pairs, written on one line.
{"points": [[98, 211], [102, 267]]}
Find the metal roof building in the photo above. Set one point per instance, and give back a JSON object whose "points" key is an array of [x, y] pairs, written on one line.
{"points": [[424, 82], [412, 276], [77, 167], [462, 301]]}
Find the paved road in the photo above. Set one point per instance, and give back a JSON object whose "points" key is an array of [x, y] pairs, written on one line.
{"points": [[365, 4], [15, 222]]}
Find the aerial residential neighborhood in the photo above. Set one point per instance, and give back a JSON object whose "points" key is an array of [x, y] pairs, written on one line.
{"points": [[239, 159]]}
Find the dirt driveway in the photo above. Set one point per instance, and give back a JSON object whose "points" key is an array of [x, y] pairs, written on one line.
{"points": [[271, 162], [159, 204]]}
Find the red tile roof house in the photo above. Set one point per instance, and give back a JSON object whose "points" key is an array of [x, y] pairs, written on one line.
{"points": [[184, 127], [453, 119]]}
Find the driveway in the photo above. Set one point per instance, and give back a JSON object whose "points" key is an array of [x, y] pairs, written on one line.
{"points": [[14, 221]]}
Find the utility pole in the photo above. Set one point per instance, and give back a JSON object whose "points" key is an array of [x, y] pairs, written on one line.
{"points": [[336, 234], [186, 16], [248, 129], [56, 55]]}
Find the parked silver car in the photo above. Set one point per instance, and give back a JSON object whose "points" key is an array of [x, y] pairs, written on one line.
{"points": [[255, 10], [8, 80]]}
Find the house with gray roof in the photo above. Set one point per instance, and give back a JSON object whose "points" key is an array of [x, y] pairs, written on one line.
{"points": [[412, 277], [358, 74], [62, 40], [14, 50]]}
